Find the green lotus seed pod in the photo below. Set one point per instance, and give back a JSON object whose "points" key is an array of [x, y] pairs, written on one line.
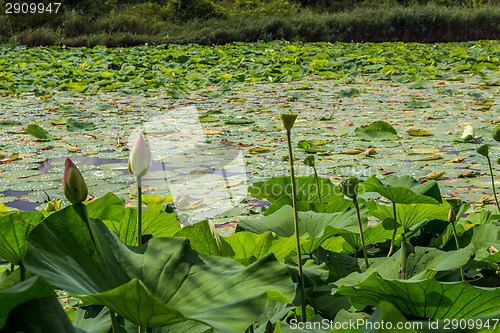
{"points": [[496, 133], [349, 187], [498, 161], [309, 161], [288, 120], [483, 150]]}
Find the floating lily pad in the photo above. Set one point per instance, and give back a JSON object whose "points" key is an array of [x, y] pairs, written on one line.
{"points": [[378, 130], [35, 186], [14, 174], [417, 132], [40, 133]]}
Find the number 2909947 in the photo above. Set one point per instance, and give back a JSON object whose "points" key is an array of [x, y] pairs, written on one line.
{"points": [[31, 8]]}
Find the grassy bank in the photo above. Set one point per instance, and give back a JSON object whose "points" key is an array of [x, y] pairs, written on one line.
{"points": [[151, 23]]}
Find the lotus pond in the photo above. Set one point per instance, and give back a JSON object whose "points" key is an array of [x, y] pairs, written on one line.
{"points": [[405, 118]]}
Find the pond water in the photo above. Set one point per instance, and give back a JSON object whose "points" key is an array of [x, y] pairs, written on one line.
{"points": [[207, 150]]}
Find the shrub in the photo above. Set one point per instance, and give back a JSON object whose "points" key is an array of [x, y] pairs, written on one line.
{"points": [[38, 37], [190, 9]]}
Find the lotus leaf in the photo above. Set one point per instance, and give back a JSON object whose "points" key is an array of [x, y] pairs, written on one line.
{"points": [[171, 282], [378, 130], [418, 298]]}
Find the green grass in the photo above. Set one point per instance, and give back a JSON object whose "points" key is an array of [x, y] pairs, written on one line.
{"points": [[152, 23]]}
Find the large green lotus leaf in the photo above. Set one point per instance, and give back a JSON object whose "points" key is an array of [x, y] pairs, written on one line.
{"points": [[338, 244], [154, 222], [378, 130], [429, 188], [204, 239], [312, 226], [306, 189], [413, 263], [14, 228], [35, 287], [36, 315], [159, 283], [314, 275], [399, 192], [338, 205], [373, 235], [93, 319], [248, 244], [109, 207], [424, 298], [240, 246], [409, 215], [482, 236]]}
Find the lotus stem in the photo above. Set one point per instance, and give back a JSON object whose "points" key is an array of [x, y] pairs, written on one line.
{"points": [[356, 205], [141, 329], [493, 183], [395, 230], [81, 209], [296, 224], [139, 212], [319, 198], [22, 271], [458, 248], [114, 322], [317, 183]]}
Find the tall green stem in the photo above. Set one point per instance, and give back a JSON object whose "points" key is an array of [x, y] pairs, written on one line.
{"points": [[493, 183], [81, 210], [395, 230], [141, 329], [356, 205], [296, 224], [22, 271], [319, 199], [458, 248], [114, 322], [139, 212], [317, 183]]}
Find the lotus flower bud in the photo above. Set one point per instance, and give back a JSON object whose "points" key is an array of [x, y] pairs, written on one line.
{"points": [[483, 150], [349, 187], [451, 216], [468, 130], [74, 185], [496, 133], [288, 120], [140, 158]]}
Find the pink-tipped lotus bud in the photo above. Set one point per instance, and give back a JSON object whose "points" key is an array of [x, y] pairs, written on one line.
{"points": [[140, 158], [451, 216], [74, 185]]}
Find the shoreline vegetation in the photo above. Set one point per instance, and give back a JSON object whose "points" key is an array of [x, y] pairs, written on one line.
{"points": [[105, 22]]}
